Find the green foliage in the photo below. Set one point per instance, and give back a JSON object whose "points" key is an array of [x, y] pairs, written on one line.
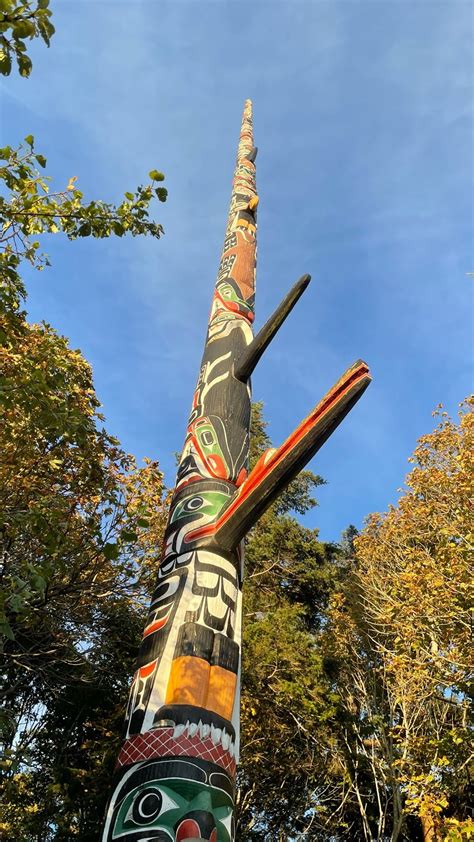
{"points": [[19, 23], [355, 663], [80, 527], [60, 791], [29, 209], [285, 695], [399, 634]]}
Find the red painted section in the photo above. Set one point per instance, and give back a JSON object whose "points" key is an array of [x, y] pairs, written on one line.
{"points": [[160, 742], [147, 670], [153, 627], [188, 829]]}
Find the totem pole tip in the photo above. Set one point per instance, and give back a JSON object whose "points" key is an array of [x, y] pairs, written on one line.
{"points": [[248, 111], [246, 147]]}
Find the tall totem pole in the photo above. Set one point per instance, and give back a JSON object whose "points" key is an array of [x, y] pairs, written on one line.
{"points": [[175, 775]]}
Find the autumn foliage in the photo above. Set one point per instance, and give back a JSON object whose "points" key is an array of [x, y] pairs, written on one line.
{"points": [[80, 525], [401, 636]]}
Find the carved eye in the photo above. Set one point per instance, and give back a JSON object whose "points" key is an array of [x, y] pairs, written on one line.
{"points": [[207, 438], [187, 506], [193, 504], [147, 806]]}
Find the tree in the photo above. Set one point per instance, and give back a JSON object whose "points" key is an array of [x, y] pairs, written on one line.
{"points": [[288, 579], [79, 521], [28, 209], [80, 527], [400, 634]]}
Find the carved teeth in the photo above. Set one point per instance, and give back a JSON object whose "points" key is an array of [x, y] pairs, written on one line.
{"points": [[178, 730], [216, 735], [225, 740], [192, 728]]}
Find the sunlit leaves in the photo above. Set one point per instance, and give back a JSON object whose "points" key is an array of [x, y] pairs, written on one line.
{"points": [[401, 631], [80, 531], [19, 23], [155, 175], [30, 208]]}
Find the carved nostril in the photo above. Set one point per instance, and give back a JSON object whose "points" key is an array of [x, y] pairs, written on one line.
{"points": [[194, 823]]}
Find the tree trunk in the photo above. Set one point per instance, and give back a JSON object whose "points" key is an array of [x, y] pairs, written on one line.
{"points": [[430, 827]]}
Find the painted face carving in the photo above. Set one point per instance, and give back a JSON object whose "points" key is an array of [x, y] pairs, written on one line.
{"points": [[172, 801], [211, 451], [228, 298], [203, 506]]}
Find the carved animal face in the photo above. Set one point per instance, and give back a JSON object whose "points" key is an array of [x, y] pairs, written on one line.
{"points": [[171, 801]]}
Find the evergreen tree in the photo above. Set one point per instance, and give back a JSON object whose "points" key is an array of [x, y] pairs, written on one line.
{"points": [[284, 690]]}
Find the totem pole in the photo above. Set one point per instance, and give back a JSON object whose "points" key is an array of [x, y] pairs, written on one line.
{"points": [[175, 775]]}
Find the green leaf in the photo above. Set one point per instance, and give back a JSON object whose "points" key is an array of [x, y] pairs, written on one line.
{"points": [[43, 29], [23, 29], [43, 4], [161, 193], [111, 551], [24, 65], [5, 64], [129, 196], [30, 140], [156, 175], [16, 603], [84, 230], [41, 160], [38, 583], [6, 630]]}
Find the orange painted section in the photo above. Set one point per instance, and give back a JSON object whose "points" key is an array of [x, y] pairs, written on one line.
{"points": [[221, 692], [188, 681]]}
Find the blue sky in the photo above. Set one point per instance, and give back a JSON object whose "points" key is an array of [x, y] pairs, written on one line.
{"points": [[363, 118]]}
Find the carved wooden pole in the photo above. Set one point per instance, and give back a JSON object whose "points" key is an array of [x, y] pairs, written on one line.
{"points": [[175, 774]]}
